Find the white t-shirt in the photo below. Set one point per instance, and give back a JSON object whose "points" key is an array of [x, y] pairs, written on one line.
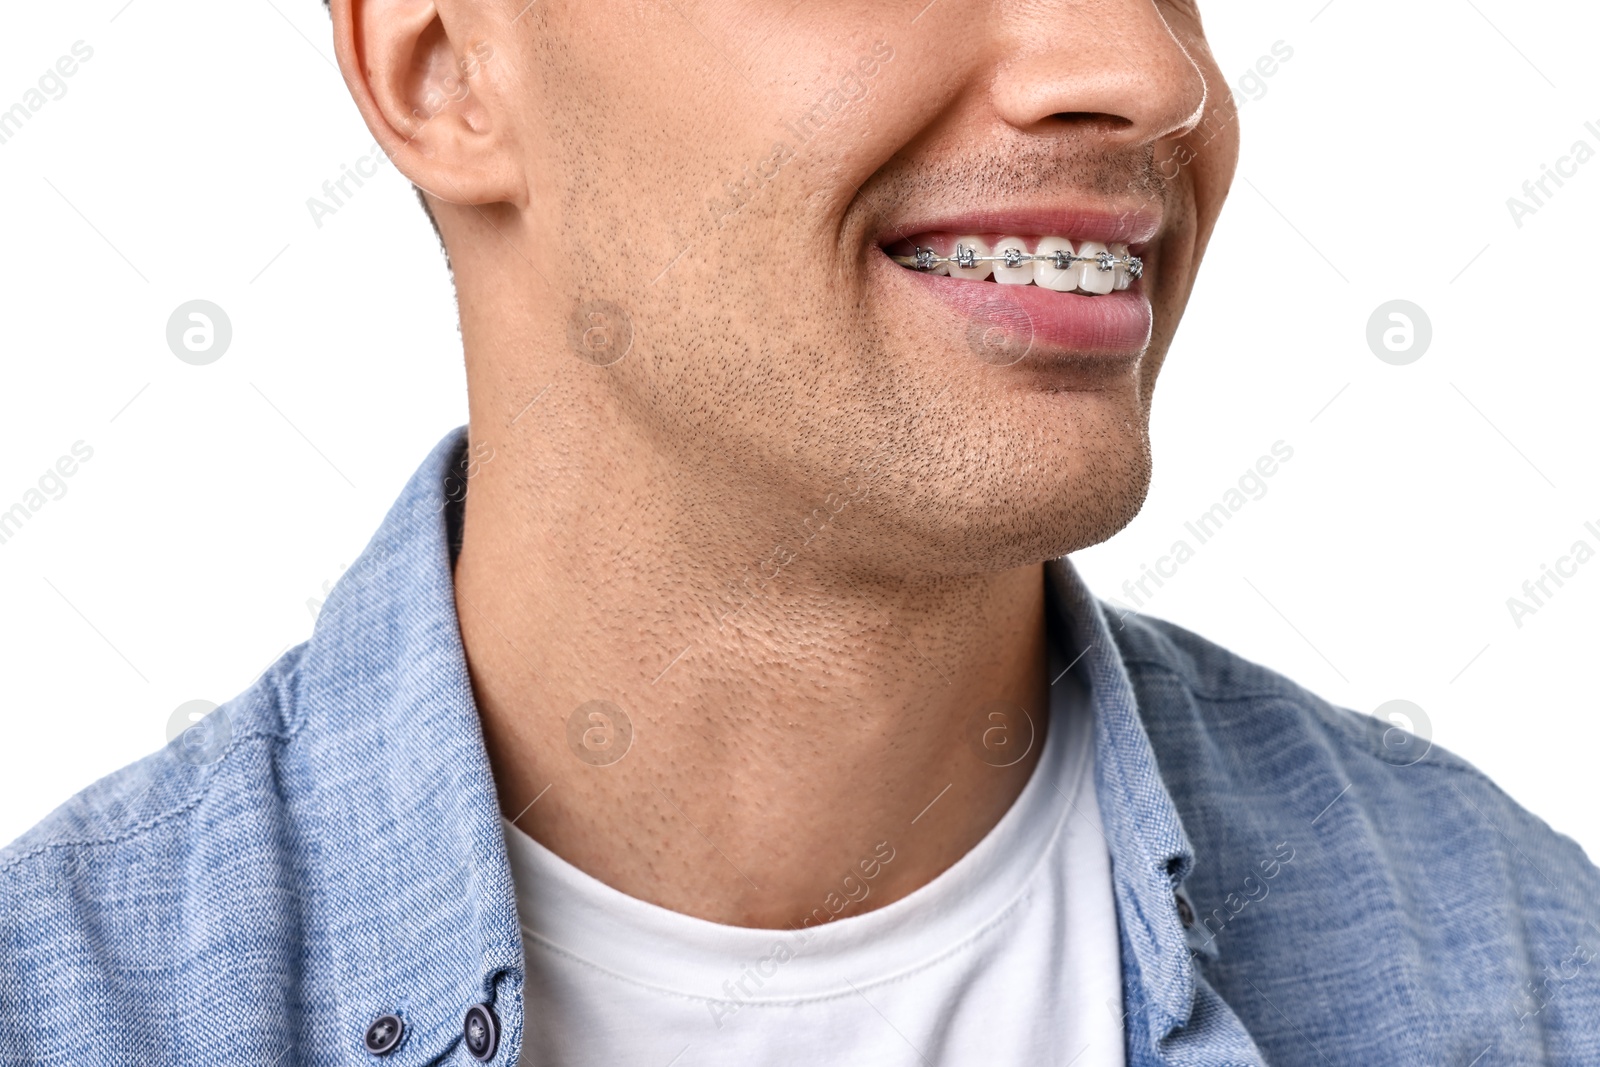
{"points": [[1011, 956]]}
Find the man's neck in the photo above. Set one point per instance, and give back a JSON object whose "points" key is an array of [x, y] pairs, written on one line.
{"points": [[784, 737]]}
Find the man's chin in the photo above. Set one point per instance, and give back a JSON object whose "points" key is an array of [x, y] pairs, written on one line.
{"points": [[1035, 524]]}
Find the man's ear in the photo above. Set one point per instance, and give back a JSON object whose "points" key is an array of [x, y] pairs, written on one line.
{"points": [[425, 89]]}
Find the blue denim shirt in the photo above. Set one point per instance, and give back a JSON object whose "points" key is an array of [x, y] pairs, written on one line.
{"points": [[1295, 883]]}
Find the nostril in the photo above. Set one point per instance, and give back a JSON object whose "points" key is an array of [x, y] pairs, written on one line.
{"points": [[1091, 121]]}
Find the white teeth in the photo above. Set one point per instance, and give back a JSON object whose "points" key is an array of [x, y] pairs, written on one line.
{"points": [[1091, 279], [1022, 273], [978, 248], [1045, 274], [1094, 267], [1119, 274]]}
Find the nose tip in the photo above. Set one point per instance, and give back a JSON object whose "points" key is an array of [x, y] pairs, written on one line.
{"points": [[1111, 69]]}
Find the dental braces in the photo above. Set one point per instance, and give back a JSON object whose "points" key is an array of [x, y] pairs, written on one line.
{"points": [[968, 258]]}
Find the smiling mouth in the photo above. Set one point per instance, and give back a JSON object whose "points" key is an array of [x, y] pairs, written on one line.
{"points": [[1091, 268], [1035, 301]]}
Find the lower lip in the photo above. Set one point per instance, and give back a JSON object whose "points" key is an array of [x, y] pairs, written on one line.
{"points": [[1013, 323]]}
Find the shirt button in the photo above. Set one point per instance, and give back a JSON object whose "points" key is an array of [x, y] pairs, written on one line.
{"points": [[481, 1031], [1185, 911], [384, 1035]]}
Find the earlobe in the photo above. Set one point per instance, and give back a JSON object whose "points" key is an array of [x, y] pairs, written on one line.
{"points": [[424, 83]]}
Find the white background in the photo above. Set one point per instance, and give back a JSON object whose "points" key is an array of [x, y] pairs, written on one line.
{"points": [[221, 499]]}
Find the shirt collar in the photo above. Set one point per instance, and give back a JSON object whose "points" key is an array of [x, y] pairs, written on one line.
{"points": [[406, 873], [408, 864], [1150, 853]]}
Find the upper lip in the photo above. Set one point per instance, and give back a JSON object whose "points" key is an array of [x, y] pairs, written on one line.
{"points": [[1103, 223]]}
